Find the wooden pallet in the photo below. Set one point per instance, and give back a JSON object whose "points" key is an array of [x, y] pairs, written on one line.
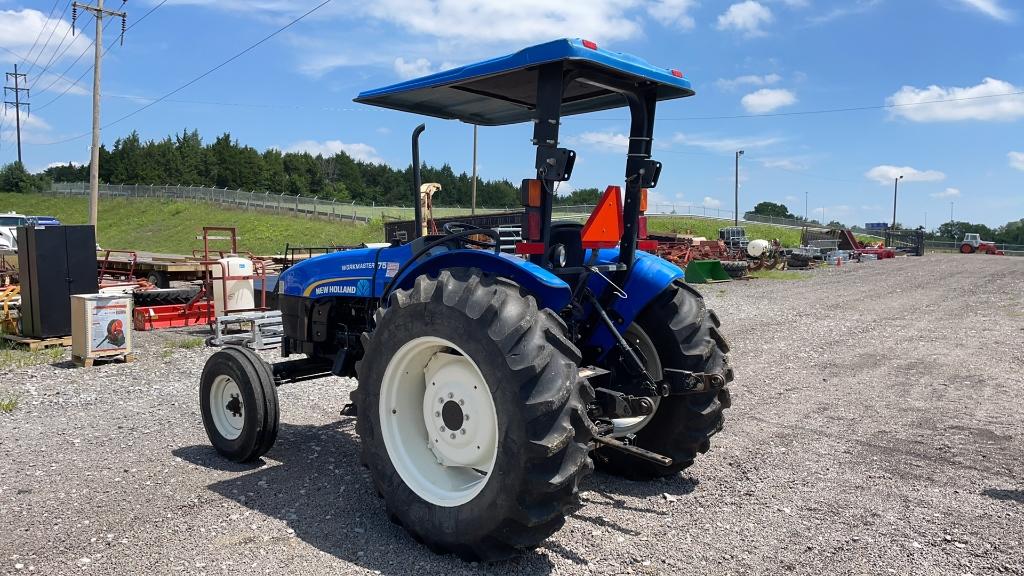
{"points": [[34, 344], [90, 362]]}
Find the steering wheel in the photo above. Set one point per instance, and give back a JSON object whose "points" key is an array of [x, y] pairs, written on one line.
{"points": [[458, 227]]}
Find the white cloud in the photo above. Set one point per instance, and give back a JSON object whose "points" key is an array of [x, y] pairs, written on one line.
{"points": [[356, 150], [724, 144], [980, 102], [412, 68], [990, 8], [789, 164], [608, 140], [747, 17], [676, 12], [520, 21], [886, 174], [34, 130], [859, 7], [747, 80], [710, 202], [20, 28], [1016, 159], [767, 100], [947, 193]]}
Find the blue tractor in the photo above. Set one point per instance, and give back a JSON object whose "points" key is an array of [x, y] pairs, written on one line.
{"points": [[491, 383]]}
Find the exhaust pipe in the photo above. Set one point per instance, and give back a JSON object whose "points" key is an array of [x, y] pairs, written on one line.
{"points": [[417, 180]]}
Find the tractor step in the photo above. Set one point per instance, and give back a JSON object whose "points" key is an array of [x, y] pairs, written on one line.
{"points": [[633, 450]]}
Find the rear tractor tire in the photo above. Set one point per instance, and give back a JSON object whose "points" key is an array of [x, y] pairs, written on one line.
{"points": [[472, 419], [676, 330], [238, 401], [966, 249]]}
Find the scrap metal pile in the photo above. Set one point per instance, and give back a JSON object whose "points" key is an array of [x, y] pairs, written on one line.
{"points": [[737, 259]]}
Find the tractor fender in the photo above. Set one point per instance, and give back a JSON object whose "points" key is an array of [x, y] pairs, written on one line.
{"points": [[648, 277], [549, 290]]}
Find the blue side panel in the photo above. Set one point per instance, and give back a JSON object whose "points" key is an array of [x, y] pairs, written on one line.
{"points": [[359, 273], [365, 273], [549, 290], [649, 276]]}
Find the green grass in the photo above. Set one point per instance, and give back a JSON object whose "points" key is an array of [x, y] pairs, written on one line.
{"points": [[13, 356], [777, 275], [8, 404], [154, 225], [709, 229], [186, 343]]}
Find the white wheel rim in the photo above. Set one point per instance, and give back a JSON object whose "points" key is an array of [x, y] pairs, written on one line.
{"points": [[226, 407], [438, 421], [626, 426]]}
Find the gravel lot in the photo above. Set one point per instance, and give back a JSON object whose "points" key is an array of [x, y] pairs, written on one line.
{"points": [[876, 428]]}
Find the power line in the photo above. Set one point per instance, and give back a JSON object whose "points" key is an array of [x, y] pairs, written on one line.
{"points": [[201, 76], [59, 44], [74, 83], [39, 35]]}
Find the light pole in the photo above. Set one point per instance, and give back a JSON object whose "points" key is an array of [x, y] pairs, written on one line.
{"points": [[736, 215], [895, 189], [950, 212], [805, 205]]}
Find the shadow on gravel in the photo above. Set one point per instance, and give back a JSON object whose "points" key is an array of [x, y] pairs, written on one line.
{"points": [[312, 481], [1001, 494]]}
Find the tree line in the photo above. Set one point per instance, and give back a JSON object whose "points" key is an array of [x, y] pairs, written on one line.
{"points": [[183, 159]]}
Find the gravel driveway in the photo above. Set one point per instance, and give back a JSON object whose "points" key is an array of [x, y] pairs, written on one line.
{"points": [[876, 429]]}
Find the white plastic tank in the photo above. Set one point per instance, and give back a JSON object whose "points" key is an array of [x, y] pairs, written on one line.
{"points": [[236, 293], [756, 248]]}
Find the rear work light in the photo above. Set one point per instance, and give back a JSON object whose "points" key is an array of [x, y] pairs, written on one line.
{"points": [[590, 44], [531, 191], [531, 228]]}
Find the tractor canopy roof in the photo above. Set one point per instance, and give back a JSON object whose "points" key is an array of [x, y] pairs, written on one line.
{"points": [[504, 90]]}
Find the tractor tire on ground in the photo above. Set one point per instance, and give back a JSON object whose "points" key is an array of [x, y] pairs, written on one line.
{"points": [[966, 249], [164, 297], [685, 335], [489, 487], [735, 268], [798, 261], [238, 401]]}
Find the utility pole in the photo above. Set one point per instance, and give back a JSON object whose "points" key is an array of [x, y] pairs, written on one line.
{"points": [[805, 205], [895, 189], [17, 104], [950, 212], [736, 215], [94, 159], [473, 187]]}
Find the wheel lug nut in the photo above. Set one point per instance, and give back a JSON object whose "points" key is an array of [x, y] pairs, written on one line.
{"points": [[451, 395], [463, 431], [441, 429], [465, 416], [437, 414], [462, 402], [440, 400], [452, 436]]}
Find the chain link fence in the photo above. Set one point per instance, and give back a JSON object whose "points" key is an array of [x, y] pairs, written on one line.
{"points": [[352, 212]]}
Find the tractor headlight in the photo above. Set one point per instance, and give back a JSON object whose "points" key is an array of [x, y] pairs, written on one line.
{"points": [[558, 257]]}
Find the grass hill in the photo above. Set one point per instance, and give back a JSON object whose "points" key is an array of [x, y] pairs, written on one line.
{"points": [[171, 226]]}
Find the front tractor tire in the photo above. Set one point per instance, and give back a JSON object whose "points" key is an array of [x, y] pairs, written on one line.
{"points": [[676, 330], [472, 418], [238, 401]]}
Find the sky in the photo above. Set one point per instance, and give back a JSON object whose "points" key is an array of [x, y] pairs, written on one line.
{"points": [[766, 73]]}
